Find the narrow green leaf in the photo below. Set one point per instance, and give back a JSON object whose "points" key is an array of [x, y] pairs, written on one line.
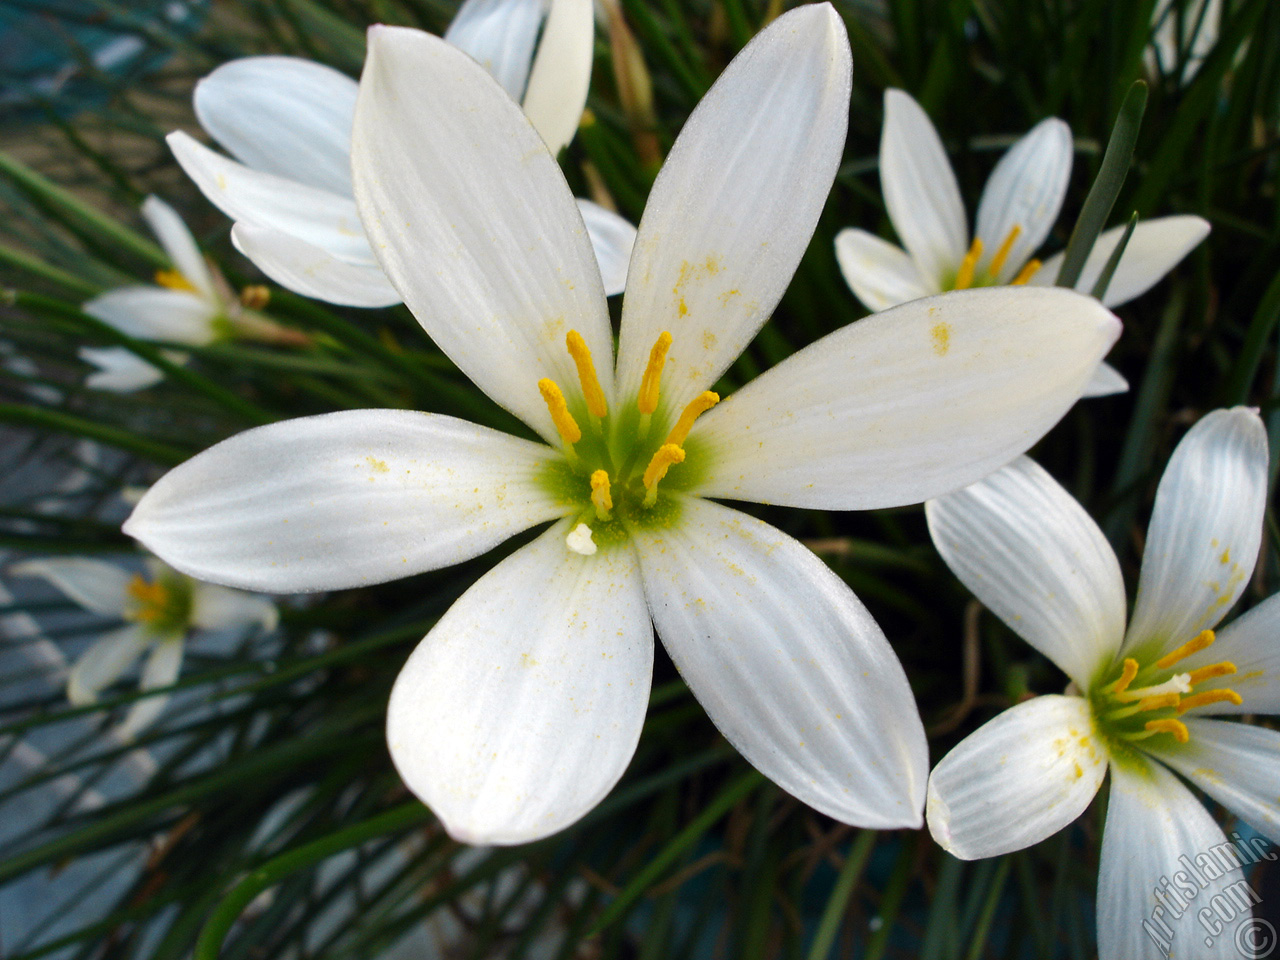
{"points": [[41, 419], [1109, 268], [841, 894], [1245, 368]]}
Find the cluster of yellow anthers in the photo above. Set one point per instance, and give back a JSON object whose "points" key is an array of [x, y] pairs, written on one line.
{"points": [[153, 601], [669, 453], [1170, 699], [966, 274]]}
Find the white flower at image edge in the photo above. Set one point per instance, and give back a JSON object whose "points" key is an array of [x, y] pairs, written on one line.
{"points": [[160, 608], [288, 123], [1029, 552], [1018, 208], [521, 708]]}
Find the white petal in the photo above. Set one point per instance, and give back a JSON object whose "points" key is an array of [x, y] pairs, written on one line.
{"points": [[736, 203], [906, 404], [1106, 381], [920, 190], [1025, 191], [1248, 642], [1206, 527], [179, 245], [612, 238], [1031, 553], [321, 217], [787, 662], [218, 608], [879, 274], [282, 115], [120, 370], [343, 499], [1156, 247], [106, 659], [312, 271], [161, 669], [1018, 779], [521, 708], [156, 313], [93, 584], [473, 222], [1236, 764], [561, 74], [500, 35], [1152, 822]]}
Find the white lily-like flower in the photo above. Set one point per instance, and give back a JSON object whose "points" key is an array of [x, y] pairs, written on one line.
{"points": [[1029, 552], [288, 123], [160, 609], [522, 707], [1019, 205], [1182, 32]]}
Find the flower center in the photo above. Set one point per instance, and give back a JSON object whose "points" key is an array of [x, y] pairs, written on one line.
{"points": [[174, 280], [617, 460], [969, 275], [163, 606], [1132, 713]]}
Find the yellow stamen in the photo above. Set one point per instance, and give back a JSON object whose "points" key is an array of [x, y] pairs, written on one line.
{"points": [[566, 426], [1208, 697], [1175, 727], [1204, 639], [648, 399], [1224, 669], [255, 296], [153, 598], [1026, 273], [1003, 253], [668, 454], [1158, 702], [596, 405], [696, 408], [174, 280], [964, 276], [600, 496], [1129, 671]]}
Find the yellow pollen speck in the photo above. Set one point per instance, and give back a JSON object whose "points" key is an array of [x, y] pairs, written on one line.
{"points": [[1226, 556], [697, 406], [941, 334], [566, 426], [591, 390], [1077, 770], [1175, 727], [1202, 640], [1025, 274], [648, 399], [527, 661], [174, 280], [1003, 253], [964, 276], [379, 465], [708, 340], [682, 308]]}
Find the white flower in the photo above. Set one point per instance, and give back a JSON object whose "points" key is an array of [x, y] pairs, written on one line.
{"points": [[1018, 208], [160, 608], [522, 707], [288, 122], [1184, 32], [1033, 556]]}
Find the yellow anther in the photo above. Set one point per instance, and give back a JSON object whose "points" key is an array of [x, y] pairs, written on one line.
{"points": [[1175, 727], [668, 454], [1224, 669], [174, 280], [596, 405], [255, 296], [601, 499], [1128, 672], [696, 408], [153, 598], [648, 399], [1204, 639], [964, 276], [1208, 697], [566, 426], [1026, 273], [1158, 702], [1003, 253]]}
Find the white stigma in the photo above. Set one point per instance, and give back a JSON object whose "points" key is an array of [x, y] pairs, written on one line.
{"points": [[579, 540]]}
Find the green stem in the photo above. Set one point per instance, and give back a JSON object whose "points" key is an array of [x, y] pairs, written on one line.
{"points": [[838, 902]]}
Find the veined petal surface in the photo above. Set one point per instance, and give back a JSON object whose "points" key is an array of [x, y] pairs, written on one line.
{"points": [[473, 222], [561, 74], [1025, 191], [1152, 820], [119, 370], [1248, 642], [313, 271], [500, 36], [217, 608], [920, 189], [156, 313], [879, 274], [161, 669], [178, 244], [106, 659], [736, 203], [1017, 779], [909, 403], [522, 707], [788, 664], [343, 499], [1035, 558], [282, 115], [97, 586], [1106, 381], [1206, 528], [612, 239]]}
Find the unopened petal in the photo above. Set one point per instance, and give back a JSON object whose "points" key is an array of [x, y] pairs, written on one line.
{"points": [[561, 74], [788, 663], [105, 661], [179, 244], [612, 239], [93, 584], [879, 274], [313, 271], [522, 707], [343, 499]]}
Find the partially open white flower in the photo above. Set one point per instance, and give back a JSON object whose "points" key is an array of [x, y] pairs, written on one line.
{"points": [[522, 707], [161, 609], [1018, 208], [1036, 559], [288, 123]]}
